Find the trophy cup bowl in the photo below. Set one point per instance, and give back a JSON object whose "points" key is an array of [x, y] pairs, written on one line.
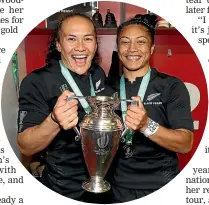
{"points": [[100, 136]]}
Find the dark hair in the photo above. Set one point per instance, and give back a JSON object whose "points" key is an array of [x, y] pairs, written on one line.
{"points": [[147, 20], [52, 52]]}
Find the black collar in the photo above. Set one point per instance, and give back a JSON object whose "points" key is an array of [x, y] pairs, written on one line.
{"points": [[139, 79]]}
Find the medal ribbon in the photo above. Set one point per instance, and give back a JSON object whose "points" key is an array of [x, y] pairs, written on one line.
{"points": [[67, 75], [141, 93]]}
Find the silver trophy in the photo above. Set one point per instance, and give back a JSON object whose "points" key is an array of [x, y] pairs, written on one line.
{"points": [[100, 133]]}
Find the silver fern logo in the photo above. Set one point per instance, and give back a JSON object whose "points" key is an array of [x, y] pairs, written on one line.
{"points": [[103, 141], [153, 96], [98, 84]]}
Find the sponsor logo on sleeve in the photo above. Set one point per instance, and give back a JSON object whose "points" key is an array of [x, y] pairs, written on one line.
{"points": [[22, 115]]}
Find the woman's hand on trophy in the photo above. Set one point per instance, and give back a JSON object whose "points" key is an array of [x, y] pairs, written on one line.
{"points": [[136, 117], [65, 113]]}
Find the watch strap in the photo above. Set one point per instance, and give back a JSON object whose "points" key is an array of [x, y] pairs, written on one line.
{"points": [[151, 129]]}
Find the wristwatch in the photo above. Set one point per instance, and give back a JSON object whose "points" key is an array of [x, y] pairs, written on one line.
{"points": [[152, 127]]}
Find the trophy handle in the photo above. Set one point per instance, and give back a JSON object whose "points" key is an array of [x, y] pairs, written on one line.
{"points": [[122, 138], [78, 136], [62, 89]]}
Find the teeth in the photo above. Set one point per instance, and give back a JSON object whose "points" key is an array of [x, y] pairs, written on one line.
{"points": [[133, 57], [79, 57]]}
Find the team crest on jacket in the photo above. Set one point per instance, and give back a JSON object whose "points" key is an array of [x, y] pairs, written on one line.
{"points": [[150, 99], [98, 84], [153, 96]]}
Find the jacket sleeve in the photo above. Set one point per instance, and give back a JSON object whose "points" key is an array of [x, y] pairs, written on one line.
{"points": [[178, 105], [33, 107]]}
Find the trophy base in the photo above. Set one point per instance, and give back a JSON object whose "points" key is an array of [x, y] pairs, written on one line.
{"points": [[95, 186]]}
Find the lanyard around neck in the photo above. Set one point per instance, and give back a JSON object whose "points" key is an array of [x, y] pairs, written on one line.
{"points": [[141, 91], [67, 75]]}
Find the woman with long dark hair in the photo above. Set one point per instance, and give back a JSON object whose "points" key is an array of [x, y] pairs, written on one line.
{"points": [[46, 119]]}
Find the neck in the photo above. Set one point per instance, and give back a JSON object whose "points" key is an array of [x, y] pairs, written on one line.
{"points": [[68, 66], [64, 63], [132, 75]]}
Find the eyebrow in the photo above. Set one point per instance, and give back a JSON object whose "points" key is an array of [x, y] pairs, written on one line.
{"points": [[129, 37], [89, 35], [84, 35], [124, 37]]}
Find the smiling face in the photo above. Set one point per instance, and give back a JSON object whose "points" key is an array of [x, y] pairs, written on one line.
{"points": [[135, 47], [77, 44]]}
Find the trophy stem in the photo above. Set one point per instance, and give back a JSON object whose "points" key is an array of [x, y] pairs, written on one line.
{"points": [[96, 184]]}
